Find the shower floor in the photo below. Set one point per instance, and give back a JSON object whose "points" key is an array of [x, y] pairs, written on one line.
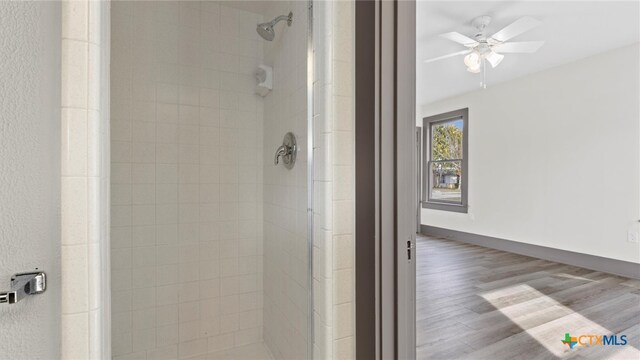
{"points": [[249, 352]]}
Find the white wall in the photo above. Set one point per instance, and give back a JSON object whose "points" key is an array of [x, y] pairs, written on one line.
{"points": [[30, 173], [554, 157]]}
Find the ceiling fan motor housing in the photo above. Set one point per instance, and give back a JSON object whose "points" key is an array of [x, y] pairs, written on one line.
{"points": [[481, 23]]}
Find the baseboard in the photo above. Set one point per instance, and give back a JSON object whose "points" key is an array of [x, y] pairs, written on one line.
{"points": [[597, 263]]}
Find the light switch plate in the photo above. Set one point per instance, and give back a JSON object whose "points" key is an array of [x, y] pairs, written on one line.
{"points": [[632, 237]]}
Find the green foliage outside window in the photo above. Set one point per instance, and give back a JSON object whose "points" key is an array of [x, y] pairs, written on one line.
{"points": [[447, 145]]}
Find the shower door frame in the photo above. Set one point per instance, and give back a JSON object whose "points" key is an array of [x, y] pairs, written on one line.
{"points": [[310, 113]]}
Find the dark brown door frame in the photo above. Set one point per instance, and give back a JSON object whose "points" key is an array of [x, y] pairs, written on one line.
{"points": [[365, 192], [385, 147]]}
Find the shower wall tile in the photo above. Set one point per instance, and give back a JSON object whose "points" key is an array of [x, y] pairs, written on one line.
{"points": [[85, 180], [187, 184], [334, 181], [286, 262], [75, 66]]}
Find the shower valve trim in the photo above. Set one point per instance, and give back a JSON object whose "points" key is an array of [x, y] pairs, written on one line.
{"points": [[287, 151]]}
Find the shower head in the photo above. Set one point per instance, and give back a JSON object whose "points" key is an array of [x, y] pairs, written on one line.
{"points": [[265, 30]]}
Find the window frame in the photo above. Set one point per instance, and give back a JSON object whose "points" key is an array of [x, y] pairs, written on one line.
{"points": [[427, 124]]}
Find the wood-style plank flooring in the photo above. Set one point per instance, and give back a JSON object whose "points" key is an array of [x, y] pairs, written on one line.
{"points": [[479, 303]]}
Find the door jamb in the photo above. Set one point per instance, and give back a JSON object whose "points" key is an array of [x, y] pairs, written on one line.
{"points": [[406, 175], [385, 191], [367, 326]]}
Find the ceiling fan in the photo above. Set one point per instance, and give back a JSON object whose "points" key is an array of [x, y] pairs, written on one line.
{"points": [[491, 48]]}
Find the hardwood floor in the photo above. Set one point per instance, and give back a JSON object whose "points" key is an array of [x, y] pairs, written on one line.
{"points": [[479, 303]]}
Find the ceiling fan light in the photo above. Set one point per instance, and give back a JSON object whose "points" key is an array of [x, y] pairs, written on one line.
{"points": [[474, 70], [494, 58], [472, 60]]}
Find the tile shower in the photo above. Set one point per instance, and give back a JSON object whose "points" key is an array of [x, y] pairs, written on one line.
{"points": [[209, 244]]}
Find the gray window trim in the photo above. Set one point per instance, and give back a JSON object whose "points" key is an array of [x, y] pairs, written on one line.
{"points": [[427, 122]]}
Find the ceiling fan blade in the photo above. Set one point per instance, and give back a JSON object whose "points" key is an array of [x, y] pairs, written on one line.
{"points": [[518, 47], [463, 52], [516, 28], [460, 39]]}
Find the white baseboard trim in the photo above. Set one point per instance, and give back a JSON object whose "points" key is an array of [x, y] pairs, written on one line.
{"points": [[597, 263]]}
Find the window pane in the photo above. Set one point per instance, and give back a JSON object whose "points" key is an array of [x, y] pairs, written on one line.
{"points": [[446, 181], [446, 140]]}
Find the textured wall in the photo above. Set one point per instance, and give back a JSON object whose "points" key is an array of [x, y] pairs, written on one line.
{"points": [[30, 173]]}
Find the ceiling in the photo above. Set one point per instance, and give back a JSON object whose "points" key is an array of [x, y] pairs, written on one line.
{"points": [[572, 30]]}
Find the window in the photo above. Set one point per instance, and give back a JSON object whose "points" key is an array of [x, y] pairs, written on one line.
{"points": [[444, 178]]}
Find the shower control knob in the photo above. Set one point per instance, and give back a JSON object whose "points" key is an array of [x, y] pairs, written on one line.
{"points": [[287, 151]]}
